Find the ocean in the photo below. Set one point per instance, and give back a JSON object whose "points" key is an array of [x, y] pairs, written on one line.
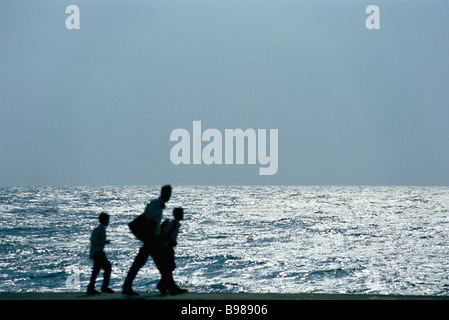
{"points": [[258, 239]]}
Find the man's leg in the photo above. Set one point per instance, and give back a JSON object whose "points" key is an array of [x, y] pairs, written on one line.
{"points": [[138, 263]]}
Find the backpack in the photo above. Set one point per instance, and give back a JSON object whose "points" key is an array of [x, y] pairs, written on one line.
{"points": [[142, 228]]}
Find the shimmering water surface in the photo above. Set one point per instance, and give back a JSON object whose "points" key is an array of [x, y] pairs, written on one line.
{"points": [[283, 239]]}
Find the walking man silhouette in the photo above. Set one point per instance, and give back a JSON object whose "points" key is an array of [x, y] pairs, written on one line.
{"points": [[151, 242], [97, 243]]}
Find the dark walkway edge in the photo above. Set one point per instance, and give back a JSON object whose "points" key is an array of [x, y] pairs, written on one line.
{"points": [[209, 296]]}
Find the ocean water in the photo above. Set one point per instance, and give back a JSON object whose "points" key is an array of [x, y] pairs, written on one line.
{"points": [[277, 239]]}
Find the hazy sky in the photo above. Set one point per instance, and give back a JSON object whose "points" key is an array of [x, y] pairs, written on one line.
{"points": [[97, 105]]}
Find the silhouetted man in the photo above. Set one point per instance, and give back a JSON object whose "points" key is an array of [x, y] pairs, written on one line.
{"points": [[152, 244], [97, 243]]}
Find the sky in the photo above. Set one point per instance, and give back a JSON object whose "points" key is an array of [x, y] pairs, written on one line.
{"points": [[97, 105]]}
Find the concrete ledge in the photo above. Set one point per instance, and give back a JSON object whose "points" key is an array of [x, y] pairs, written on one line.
{"points": [[208, 296]]}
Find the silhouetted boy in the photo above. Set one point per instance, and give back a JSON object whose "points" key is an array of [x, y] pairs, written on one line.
{"points": [[97, 243], [166, 263]]}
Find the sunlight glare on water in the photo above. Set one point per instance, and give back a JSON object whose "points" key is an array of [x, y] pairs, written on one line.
{"points": [[284, 239]]}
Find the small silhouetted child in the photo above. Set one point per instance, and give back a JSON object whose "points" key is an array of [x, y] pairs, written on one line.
{"points": [[97, 243], [169, 235]]}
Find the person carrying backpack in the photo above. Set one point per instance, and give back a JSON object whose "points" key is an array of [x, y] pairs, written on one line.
{"points": [[147, 228]]}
